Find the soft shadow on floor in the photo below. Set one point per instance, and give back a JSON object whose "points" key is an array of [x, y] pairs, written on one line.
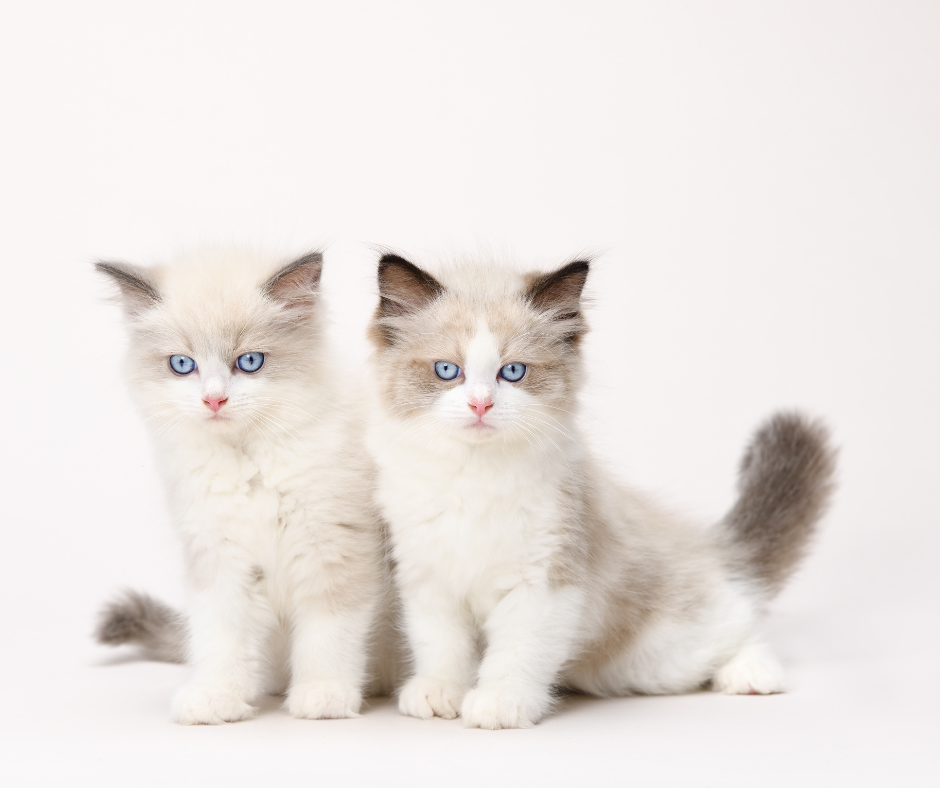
{"points": [[123, 658], [274, 704]]}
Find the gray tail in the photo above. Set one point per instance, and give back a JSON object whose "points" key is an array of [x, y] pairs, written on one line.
{"points": [[140, 620], [786, 481]]}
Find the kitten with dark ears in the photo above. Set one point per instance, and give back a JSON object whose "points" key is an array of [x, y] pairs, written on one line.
{"points": [[268, 487], [521, 564]]}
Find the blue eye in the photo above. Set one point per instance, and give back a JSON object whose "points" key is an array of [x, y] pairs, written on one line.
{"points": [[513, 372], [182, 365], [250, 362], [446, 371]]}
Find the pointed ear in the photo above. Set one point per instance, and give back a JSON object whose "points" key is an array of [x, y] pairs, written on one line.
{"points": [[295, 285], [403, 287], [138, 292], [560, 291]]}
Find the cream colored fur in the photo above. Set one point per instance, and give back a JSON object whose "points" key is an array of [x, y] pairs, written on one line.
{"points": [[270, 496]]}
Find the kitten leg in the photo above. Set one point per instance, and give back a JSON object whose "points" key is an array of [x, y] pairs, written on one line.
{"points": [[754, 670], [328, 661], [444, 646], [530, 635], [229, 627]]}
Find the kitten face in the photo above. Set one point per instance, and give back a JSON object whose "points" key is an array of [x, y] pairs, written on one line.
{"points": [[225, 341], [486, 354]]}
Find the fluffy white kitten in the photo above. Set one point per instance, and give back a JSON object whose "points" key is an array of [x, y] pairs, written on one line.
{"points": [[521, 564], [268, 487]]}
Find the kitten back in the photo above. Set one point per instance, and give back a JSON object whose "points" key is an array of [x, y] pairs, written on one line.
{"points": [[785, 485]]}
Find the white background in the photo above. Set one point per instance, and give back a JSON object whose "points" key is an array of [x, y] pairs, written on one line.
{"points": [[761, 185]]}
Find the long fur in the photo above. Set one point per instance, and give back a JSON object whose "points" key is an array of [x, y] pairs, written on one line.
{"points": [[268, 487], [521, 564], [785, 483], [138, 619]]}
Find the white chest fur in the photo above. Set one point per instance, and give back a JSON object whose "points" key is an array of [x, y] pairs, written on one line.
{"points": [[261, 505], [472, 521]]}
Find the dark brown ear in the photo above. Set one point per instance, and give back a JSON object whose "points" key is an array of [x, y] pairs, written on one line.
{"points": [[295, 285], [403, 287], [560, 291], [138, 293]]}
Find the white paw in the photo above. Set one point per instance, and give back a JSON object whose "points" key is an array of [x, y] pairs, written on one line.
{"points": [[497, 707], [200, 705], [324, 700], [752, 671], [426, 698]]}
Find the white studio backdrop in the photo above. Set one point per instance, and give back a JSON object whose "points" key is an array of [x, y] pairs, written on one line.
{"points": [[759, 184]]}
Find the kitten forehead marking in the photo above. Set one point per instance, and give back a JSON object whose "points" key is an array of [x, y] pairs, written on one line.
{"points": [[482, 355]]}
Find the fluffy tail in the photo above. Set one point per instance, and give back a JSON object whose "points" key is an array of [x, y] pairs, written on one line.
{"points": [[786, 481], [135, 618]]}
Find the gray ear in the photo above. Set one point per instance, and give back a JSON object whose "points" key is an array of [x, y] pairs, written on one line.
{"points": [[560, 291], [295, 285], [403, 287], [138, 293]]}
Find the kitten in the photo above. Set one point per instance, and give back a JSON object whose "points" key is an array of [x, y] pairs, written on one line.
{"points": [[268, 487], [520, 563]]}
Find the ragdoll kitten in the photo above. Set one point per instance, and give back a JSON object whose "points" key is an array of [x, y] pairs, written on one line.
{"points": [[268, 487], [521, 564]]}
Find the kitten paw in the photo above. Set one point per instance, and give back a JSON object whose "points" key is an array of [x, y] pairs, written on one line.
{"points": [[200, 705], [324, 700], [752, 671], [500, 707], [426, 698]]}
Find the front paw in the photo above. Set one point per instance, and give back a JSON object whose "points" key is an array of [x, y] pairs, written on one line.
{"points": [[497, 707], [425, 698], [752, 671], [200, 705], [324, 700]]}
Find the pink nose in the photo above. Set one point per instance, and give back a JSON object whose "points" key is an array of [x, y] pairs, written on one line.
{"points": [[481, 406], [214, 403]]}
